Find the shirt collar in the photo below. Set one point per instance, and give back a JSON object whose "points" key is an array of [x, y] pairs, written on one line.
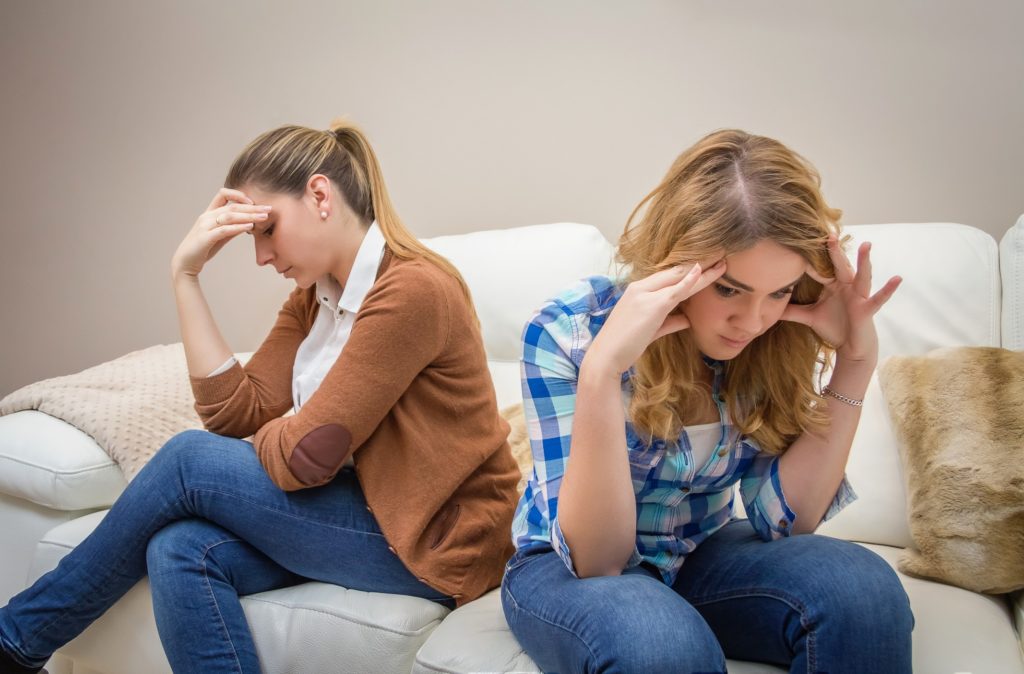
{"points": [[360, 278]]}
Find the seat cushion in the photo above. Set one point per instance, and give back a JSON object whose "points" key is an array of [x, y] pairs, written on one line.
{"points": [[312, 627], [51, 463], [955, 631]]}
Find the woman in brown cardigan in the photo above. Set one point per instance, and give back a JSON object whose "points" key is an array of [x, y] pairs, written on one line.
{"points": [[393, 475]]}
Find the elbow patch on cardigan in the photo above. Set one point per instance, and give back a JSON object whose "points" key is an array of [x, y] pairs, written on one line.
{"points": [[319, 455]]}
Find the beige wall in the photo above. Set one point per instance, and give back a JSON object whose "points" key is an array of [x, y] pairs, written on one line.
{"points": [[119, 120]]}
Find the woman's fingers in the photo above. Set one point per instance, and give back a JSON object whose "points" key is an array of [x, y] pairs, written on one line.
{"points": [[225, 195], [878, 300], [798, 313], [862, 281], [844, 271], [230, 230], [693, 284], [818, 277], [233, 214], [665, 277], [672, 323]]}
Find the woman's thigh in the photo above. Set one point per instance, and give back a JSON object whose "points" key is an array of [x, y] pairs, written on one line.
{"points": [[324, 533], [812, 602], [627, 623]]}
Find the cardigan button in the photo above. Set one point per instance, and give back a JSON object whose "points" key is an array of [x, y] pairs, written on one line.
{"points": [[723, 452], [783, 524]]}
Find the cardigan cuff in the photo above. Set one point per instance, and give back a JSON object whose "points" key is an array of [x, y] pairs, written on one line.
{"points": [[218, 388]]}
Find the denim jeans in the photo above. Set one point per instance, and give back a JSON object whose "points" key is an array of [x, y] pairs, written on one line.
{"points": [[809, 603], [207, 524]]}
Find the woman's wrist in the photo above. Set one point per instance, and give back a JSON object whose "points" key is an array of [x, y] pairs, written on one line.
{"points": [[596, 369], [179, 276], [850, 378]]}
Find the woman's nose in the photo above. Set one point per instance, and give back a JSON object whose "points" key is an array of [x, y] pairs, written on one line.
{"points": [[749, 320], [264, 254]]}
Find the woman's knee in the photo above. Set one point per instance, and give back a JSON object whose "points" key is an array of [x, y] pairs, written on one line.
{"points": [[627, 624], [198, 450], [856, 582], [181, 545], [872, 587]]}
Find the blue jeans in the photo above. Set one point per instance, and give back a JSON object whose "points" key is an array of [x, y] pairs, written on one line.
{"points": [[810, 603], [207, 524]]}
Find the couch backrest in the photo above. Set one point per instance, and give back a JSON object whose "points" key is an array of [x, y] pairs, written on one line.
{"points": [[511, 272], [950, 296], [1011, 263]]}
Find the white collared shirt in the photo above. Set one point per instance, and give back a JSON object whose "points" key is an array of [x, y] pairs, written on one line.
{"points": [[333, 324]]}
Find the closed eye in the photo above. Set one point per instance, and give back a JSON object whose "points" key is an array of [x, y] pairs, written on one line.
{"points": [[726, 291], [268, 231]]}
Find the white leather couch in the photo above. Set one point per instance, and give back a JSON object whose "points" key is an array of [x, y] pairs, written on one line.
{"points": [[960, 288]]}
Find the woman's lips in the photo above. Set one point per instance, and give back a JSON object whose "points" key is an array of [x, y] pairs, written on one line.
{"points": [[736, 344]]}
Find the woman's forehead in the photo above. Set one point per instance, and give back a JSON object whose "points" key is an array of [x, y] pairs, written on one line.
{"points": [[765, 267], [260, 196]]}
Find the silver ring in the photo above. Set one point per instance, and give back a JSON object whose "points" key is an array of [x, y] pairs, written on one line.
{"points": [[219, 221]]}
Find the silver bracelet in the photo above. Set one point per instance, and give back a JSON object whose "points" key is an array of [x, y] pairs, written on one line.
{"points": [[838, 396]]}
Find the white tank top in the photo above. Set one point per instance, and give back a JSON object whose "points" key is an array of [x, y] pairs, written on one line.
{"points": [[703, 440]]}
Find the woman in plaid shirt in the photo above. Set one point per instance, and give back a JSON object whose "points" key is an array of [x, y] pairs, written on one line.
{"points": [[700, 361]]}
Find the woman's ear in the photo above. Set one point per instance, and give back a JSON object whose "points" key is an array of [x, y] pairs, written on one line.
{"points": [[319, 189]]}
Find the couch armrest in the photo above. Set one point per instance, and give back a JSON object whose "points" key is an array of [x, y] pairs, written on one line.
{"points": [[1011, 264], [1017, 606], [51, 463]]}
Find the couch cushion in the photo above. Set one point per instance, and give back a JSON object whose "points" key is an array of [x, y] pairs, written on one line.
{"points": [[1011, 263], [51, 463], [879, 515], [950, 295], [317, 627], [511, 272], [507, 387], [955, 631], [312, 627], [1017, 603]]}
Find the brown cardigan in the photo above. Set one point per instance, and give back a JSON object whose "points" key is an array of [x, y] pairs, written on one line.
{"points": [[411, 396]]}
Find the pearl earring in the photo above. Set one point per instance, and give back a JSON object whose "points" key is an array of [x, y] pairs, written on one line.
{"points": [[323, 215]]}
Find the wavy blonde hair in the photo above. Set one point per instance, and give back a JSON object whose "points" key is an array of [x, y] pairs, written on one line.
{"points": [[283, 159], [722, 196]]}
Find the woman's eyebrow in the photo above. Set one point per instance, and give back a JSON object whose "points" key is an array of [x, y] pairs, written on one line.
{"points": [[744, 286]]}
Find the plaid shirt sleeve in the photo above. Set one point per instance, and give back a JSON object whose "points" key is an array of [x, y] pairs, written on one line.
{"points": [[767, 509], [549, 377]]}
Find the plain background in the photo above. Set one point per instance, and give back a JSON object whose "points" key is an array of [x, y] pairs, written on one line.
{"points": [[119, 121]]}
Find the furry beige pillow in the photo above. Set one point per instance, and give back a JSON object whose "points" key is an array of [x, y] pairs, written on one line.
{"points": [[959, 418], [519, 441]]}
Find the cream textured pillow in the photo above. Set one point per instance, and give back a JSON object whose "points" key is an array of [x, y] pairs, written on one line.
{"points": [[959, 418], [519, 441]]}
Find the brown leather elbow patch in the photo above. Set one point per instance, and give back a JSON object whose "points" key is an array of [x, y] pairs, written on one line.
{"points": [[320, 454]]}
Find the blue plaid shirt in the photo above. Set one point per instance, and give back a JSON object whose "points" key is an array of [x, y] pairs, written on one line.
{"points": [[678, 504]]}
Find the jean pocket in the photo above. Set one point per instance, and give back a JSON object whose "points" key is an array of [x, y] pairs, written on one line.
{"points": [[522, 556]]}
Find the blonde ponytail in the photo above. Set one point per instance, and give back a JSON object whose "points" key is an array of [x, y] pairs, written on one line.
{"points": [[366, 172]]}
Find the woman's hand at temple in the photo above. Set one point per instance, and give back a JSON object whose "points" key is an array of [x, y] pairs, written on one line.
{"points": [[229, 214], [844, 314], [646, 312]]}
